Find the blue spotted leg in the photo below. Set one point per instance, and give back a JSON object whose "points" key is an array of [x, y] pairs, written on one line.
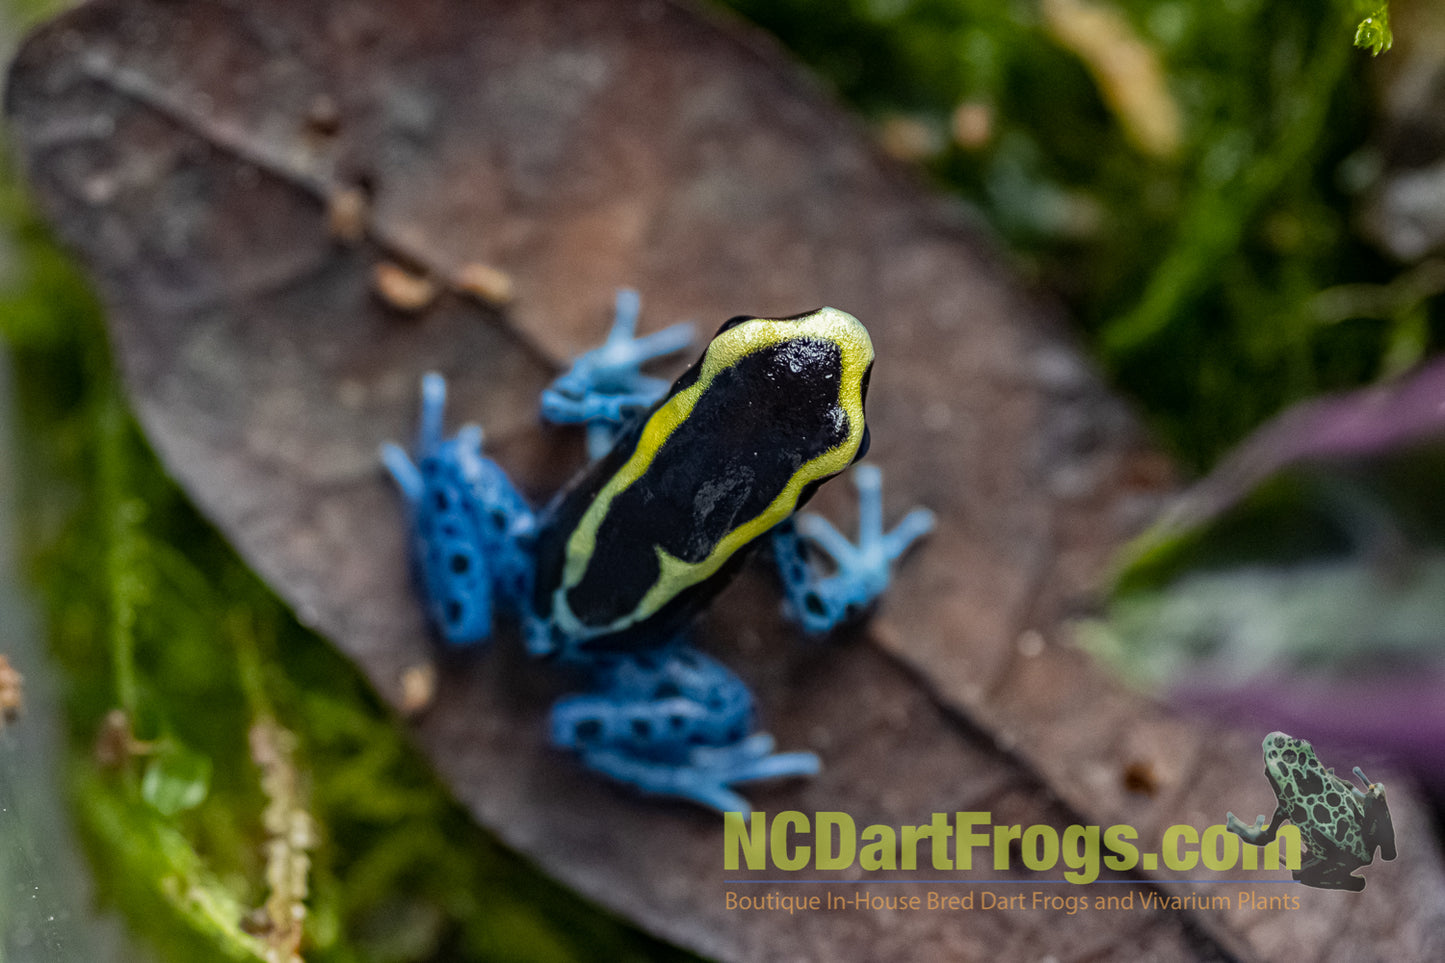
{"points": [[673, 722], [670, 721], [861, 571], [472, 531], [605, 386]]}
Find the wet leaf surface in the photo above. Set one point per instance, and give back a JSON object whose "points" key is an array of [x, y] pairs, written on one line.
{"points": [[234, 173]]}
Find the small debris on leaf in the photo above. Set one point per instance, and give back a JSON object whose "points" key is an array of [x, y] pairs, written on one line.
{"points": [[484, 282], [402, 289]]}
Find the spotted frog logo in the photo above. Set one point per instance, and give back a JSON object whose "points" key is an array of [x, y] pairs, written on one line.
{"points": [[1341, 824]]}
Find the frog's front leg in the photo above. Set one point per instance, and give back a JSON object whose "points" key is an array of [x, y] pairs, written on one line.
{"points": [[819, 602], [471, 530], [673, 722], [606, 386], [1259, 834]]}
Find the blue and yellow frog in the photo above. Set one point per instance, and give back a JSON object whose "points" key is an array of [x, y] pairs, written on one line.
{"points": [[685, 480]]}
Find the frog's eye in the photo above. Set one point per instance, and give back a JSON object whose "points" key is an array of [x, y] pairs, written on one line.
{"points": [[863, 395], [731, 323], [809, 490]]}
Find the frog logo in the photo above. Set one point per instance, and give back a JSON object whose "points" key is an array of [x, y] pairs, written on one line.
{"points": [[1340, 824]]}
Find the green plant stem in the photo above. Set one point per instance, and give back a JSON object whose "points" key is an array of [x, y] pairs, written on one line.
{"points": [[118, 514]]}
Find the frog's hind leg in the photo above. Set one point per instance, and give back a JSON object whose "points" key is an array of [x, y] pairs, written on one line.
{"points": [[820, 602], [1324, 870], [403, 470], [605, 386], [471, 529], [1378, 827], [673, 722]]}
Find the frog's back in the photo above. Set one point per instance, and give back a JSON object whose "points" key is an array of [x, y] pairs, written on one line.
{"points": [[650, 532]]}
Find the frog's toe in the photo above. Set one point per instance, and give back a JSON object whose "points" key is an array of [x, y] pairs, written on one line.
{"points": [[568, 403], [433, 410], [660, 779], [753, 760], [606, 384], [403, 471], [861, 570], [708, 775], [914, 526]]}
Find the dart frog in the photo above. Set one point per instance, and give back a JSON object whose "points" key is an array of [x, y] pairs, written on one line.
{"points": [[1341, 824], [684, 481]]}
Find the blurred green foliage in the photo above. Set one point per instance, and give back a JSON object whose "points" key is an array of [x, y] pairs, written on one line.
{"points": [[172, 653], [1194, 264]]}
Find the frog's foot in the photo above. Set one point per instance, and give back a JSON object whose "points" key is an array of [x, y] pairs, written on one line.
{"points": [[706, 776], [820, 602], [673, 723], [471, 529], [1256, 835], [1335, 880], [606, 386], [1324, 873]]}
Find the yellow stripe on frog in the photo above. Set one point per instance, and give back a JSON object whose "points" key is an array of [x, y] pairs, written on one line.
{"points": [[726, 350]]}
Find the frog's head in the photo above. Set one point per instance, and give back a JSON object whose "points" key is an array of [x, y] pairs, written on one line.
{"points": [[1292, 768], [1376, 825], [805, 377]]}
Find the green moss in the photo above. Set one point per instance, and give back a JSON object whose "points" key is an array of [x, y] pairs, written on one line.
{"points": [[1373, 32], [1197, 269], [171, 651]]}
